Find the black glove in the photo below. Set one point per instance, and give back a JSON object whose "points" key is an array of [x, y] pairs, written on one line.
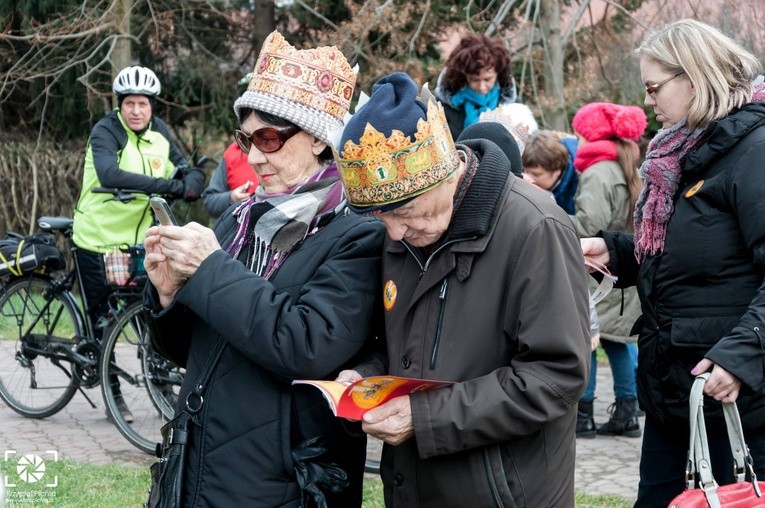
{"points": [[315, 476], [193, 184]]}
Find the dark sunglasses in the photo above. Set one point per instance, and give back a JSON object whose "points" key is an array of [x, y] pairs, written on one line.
{"points": [[652, 89], [267, 139]]}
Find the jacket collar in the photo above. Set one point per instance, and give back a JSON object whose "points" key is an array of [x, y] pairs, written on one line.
{"points": [[475, 216], [725, 133], [130, 132]]}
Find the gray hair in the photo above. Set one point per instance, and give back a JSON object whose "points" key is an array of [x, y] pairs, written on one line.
{"points": [[720, 70]]}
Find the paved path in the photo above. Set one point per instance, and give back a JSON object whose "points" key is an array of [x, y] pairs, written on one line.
{"points": [[605, 465]]}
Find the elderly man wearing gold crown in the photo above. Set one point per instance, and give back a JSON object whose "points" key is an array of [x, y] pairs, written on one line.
{"points": [[483, 286], [287, 284]]}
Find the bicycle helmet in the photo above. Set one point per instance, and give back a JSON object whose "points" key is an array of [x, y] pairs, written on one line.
{"points": [[136, 80]]}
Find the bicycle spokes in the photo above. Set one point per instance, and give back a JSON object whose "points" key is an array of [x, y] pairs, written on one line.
{"points": [[143, 386], [38, 330]]}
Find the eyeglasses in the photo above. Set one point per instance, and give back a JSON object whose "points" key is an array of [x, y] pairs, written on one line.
{"points": [[267, 139], [652, 89]]}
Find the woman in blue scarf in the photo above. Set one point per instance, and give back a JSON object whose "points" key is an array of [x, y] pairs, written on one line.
{"points": [[476, 79]]}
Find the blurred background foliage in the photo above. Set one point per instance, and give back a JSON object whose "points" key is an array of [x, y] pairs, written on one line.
{"points": [[58, 59]]}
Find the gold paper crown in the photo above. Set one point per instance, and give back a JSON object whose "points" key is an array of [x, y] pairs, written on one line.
{"points": [[379, 171], [319, 78]]}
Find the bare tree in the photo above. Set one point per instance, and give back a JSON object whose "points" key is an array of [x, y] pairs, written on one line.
{"points": [[75, 54], [57, 64]]}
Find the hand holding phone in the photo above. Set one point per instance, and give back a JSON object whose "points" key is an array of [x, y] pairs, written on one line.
{"points": [[162, 212]]}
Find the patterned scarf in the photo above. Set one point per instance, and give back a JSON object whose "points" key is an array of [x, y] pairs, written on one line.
{"points": [[661, 174], [475, 103], [271, 225]]}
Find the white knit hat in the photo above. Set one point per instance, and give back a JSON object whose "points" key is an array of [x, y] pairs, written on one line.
{"points": [[311, 88]]}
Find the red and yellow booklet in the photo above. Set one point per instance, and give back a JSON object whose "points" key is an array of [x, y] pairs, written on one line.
{"points": [[353, 400]]}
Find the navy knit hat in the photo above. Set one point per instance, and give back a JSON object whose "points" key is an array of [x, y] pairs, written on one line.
{"points": [[395, 147], [499, 135], [393, 105]]}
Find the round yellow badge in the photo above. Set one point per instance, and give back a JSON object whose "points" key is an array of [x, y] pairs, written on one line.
{"points": [[156, 163], [390, 292], [693, 190]]}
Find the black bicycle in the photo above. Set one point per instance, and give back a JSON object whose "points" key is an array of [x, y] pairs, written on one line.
{"points": [[49, 351]]}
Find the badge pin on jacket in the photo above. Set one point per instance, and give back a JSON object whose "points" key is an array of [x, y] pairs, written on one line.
{"points": [[693, 190], [390, 292]]}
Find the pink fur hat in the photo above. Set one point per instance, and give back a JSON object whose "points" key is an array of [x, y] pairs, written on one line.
{"points": [[602, 120]]}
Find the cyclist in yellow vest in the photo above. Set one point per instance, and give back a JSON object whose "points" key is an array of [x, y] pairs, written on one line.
{"points": [[129, 148]]}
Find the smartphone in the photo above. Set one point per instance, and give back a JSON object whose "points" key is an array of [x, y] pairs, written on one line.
{"points": [[162, 212]]}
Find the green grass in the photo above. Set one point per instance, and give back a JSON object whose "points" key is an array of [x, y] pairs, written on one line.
{"points": [[78, 485], [26, 307], [81, 485], [585, 501]]}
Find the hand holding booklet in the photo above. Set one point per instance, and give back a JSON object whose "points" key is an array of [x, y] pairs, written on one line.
{"points": [[606, 284], [353, 400]]}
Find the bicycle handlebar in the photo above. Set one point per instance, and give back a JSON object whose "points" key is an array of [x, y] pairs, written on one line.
{"points": [[123, 195], [128, 195]]}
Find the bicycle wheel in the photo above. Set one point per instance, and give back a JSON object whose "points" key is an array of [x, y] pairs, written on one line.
{"points": [[37, 336], [135, 377]]}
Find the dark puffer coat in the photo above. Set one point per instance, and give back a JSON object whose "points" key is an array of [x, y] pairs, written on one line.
{"points": [[703, 296], [313, 316]]}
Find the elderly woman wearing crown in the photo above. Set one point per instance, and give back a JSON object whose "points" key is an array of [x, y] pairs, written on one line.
{"points": [[288, 280], [483, 287]]}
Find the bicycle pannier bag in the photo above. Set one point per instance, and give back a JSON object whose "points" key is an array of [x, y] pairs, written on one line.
{"points": [[742, 494], [25, 254]]}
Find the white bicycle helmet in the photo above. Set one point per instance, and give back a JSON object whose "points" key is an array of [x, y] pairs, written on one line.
{"points": [[136, 80]]}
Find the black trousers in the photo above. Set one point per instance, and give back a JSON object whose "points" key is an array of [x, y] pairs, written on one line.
{"points": [[96, 291], [96, 294], [665, 453]]}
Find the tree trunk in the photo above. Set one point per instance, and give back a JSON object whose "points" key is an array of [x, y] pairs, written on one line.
{"points": [[549, 26], [122, 55], [265, 22]]}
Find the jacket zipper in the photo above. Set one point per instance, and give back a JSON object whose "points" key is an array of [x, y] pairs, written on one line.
{"points": [[143, 169], [440, 325], [490, 479], [441, 293], [424, 268]]}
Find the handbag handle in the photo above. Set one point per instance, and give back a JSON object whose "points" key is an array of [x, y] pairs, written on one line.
{"points": [[195, 398], [698, 449]]}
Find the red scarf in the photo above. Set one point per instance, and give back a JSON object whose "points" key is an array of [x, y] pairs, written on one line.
{"points": [[590, 153]]}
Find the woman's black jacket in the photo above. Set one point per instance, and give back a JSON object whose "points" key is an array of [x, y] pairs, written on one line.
{"points": [[704, 296], [312, 318]]}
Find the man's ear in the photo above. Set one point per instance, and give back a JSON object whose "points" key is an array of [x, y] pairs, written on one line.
{"points": [[318, 146]]}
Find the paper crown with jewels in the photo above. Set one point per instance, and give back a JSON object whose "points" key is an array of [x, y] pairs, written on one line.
{"points": [[311, 88], [394, 148]]}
